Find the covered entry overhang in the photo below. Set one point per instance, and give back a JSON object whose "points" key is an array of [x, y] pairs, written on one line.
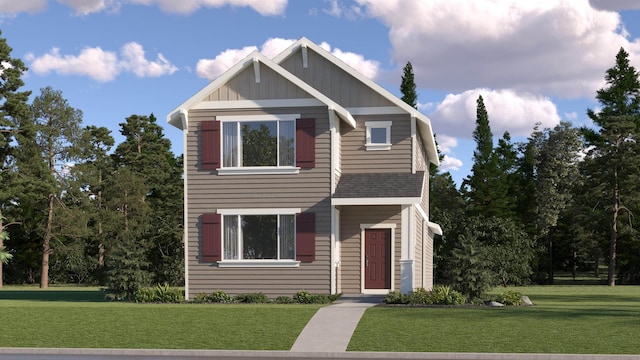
{"points": [[374, 233]]}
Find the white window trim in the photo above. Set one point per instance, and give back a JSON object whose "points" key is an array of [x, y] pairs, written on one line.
{"points": [[378, 125], [256, 263], [257, 170]]}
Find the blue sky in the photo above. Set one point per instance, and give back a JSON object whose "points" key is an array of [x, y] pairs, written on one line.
{"points": [[532, 61]]}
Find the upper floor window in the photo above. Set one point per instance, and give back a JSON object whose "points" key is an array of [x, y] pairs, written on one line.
{"points": [[258, 143], [261, 144], [378, 135]]}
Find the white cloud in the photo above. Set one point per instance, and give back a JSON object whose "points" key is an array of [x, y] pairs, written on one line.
{"points": [[615, 5], [85, 7], [507, 110], [15, 6], [93, 62], [449, 163], [446, 143], [547, 46], [212, 68], [265, 8], [133, 60], [99, 64], [571, 115]]}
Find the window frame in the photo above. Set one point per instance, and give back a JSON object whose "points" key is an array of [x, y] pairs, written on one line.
{"points": [[257, 262], [250, 170], [378, 125]]}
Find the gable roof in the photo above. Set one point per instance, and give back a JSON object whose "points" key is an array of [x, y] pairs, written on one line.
{"points": [[175, 117], [423, 122]]}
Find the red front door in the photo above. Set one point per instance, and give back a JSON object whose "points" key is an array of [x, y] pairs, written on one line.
{"points": [[377, 259]]}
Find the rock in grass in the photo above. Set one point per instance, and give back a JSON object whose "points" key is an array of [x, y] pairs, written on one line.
{"points": [[526, 301], [495, 304]]}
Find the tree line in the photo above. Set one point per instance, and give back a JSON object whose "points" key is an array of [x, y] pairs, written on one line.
{"points": [[563, 200], [75, 207]]}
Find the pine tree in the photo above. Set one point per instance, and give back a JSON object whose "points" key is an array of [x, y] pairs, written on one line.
{"points": [[614, 162], [408, 86], [13, 109]]}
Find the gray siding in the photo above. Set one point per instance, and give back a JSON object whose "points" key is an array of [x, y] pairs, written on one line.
{"points": [[423, 164], [333, 82], [350, 242], [243, 86], [308, 190], [355, 157]]}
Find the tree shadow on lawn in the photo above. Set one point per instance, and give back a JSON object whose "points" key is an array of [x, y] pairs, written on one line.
{"points": [[54, 295]]}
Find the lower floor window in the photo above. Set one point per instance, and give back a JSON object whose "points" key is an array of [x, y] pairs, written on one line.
{"points": [[259, 237]]}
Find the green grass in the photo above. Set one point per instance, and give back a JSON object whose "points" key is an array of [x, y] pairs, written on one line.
{"points": [[79, 318], [566, 319]]}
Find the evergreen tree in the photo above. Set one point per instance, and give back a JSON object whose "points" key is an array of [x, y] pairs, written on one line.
{"points": [[408, 86], [614, 160], [13, 108], [57, 126]]}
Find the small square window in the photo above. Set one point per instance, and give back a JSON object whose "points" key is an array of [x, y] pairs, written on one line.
{"points": [[378, 135]]}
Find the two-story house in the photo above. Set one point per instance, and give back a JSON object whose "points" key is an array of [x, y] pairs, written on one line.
{"points": [[303, 174]]}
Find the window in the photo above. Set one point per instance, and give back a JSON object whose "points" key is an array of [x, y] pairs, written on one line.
{"points": [[378, 135], [259, 237], [258, 143]]}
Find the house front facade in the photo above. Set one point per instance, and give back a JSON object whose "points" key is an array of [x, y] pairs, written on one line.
{"points": [[302, 174]]}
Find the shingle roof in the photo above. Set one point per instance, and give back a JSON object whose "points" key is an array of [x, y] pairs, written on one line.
{"points": [[380, 185]]}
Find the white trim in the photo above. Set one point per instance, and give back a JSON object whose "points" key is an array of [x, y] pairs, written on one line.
{"points": [[267, 117], [257, 104], [414, 156], [259, 211], [334, 155], [421, 212], [254, 263], [256, 69], [335, 249], [376, 201], [363, 227], [378, 226], [407, 262], [435, 228], [376, 110], [184, 119], [185, 220], [259, 170], [378, 125], [305, 63]]}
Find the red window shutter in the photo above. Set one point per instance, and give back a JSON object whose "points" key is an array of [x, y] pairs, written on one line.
{"points": [[306, 143], [210, 141], [306, 237], [211, 242]]}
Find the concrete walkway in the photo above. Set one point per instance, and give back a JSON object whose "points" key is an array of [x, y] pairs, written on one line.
{"points": [[330, 329]]}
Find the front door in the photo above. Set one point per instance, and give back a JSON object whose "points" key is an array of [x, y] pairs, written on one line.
{"points": [[377, 258]]}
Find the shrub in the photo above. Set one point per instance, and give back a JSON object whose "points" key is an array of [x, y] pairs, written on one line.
{"points": [[445, 295], [394, 297], [303, 297], [160, 293], [254, 298], [335, 297], [283, 300], [145, 295], [419, 296], [220, 296], [200, 298], [320, 299], [511, 297]]}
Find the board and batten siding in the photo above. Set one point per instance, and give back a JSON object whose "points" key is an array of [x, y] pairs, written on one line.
{"points": [[356, 159], [309, 190], [351, 217], [243, 86], [332, 81], [422, 164]]}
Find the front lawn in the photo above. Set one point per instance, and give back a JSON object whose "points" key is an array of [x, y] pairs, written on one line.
{"points": [[565, 319], [78, 318]]}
